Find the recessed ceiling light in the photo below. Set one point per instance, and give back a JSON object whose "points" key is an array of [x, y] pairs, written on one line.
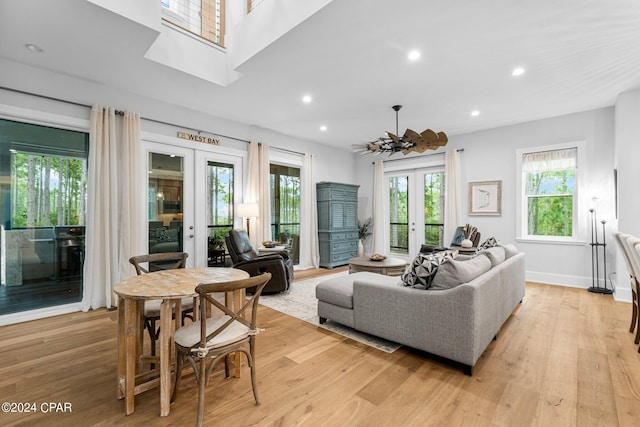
{"points": [[323, 128], [306, 99], [517, 71], [475, 113], [414, 55], [34, 47]]}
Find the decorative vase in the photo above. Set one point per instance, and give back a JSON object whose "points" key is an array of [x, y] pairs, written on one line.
{"points": [[466, 243], [360, 248]]}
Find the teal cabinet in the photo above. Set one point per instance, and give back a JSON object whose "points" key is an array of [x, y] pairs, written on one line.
{"points": [[337, 222]]}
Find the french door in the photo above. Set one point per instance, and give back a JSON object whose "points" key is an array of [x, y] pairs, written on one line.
{"points": [[416, 209], [191, 194]]}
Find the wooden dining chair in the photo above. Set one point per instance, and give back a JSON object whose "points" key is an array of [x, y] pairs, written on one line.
{"points": [[204, 343], [621, 239], [161, 261]]}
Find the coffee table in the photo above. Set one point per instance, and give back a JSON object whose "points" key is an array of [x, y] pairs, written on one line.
{"points": [[388, 266]]}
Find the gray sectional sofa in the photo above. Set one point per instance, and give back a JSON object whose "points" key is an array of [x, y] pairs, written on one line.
{"points": [[456, 323]]}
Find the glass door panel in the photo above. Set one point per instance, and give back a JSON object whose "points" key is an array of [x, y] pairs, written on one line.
{"points": [[219, 210], [433, 184], [399, 214], [165, 198], [170, 221]]}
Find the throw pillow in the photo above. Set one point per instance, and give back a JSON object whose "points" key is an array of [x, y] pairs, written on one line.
{"points": [[160, 235], [509, 250], [453, 272], [420, 273], [489, 243], [496, 255]]}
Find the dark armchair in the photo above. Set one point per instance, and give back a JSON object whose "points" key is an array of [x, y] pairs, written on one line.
{"points": [[245, 258]]}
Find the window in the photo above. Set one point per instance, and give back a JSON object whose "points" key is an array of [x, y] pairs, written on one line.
{"points": [[549, 182], [204, 18]]}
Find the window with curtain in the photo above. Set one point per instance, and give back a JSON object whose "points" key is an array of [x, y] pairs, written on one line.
{"points": [[549, 188]]}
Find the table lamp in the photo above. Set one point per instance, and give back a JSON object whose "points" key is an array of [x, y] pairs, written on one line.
{"points": [[248, 211]]}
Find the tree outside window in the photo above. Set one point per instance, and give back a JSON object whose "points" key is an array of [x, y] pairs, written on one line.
{"points": [[550, 182]]}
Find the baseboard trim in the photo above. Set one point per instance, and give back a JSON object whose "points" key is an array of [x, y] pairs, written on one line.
{"points": [[619, 294]]}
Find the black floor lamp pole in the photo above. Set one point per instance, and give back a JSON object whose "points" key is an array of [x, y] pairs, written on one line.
{"points": [[595, 261]]}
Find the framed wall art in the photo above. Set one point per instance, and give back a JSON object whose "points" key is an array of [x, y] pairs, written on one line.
{"points": [[485, 198]]}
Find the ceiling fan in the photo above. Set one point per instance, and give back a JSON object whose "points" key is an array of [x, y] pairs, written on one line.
{"points": [[410, 141]]}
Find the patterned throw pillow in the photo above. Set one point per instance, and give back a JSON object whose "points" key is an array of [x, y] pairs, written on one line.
{"points": [[489, 243], [160, 235], [420, 273]]}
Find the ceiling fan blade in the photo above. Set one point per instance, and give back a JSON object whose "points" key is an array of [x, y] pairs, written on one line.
{"points": [[429, 135], [393, 137], [411, 135]]}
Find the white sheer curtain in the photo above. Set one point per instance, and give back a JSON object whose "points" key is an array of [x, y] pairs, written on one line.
{"points": [[259, 191], [309, 251], [452, 195], [132, 194], [115, 205], [101, 244], [380, 210]]}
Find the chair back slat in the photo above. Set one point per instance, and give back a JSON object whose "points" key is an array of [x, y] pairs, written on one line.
{"points": [[180, 259], [237, 314]]}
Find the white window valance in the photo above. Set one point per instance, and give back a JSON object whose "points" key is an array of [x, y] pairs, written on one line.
{"points": [[552, 160]]}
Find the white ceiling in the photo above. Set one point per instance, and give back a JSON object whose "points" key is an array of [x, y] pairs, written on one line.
{"points": [[351, 57]]}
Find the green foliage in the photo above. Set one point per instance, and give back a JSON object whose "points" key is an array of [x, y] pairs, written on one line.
{"points": [[550, 202], [62, 184]]}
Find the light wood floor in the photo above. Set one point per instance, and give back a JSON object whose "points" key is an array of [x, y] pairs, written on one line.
{"points": [[565, 358]]}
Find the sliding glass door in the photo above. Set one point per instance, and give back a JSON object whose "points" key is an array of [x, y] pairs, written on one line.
{"points": [[42, 210], [416, 209]]}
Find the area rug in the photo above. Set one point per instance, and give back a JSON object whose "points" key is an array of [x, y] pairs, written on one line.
{"points": [[300, 302]]}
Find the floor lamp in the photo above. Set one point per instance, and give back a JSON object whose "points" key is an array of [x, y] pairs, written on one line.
{"points": [[248, 211]]}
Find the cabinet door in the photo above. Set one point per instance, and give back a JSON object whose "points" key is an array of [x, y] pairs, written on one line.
{"points": [[351, 214], [337, 215]]}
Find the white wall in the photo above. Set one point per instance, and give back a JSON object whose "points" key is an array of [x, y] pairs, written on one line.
{"points": [[331, 164], [491, 155], [627, 129]]}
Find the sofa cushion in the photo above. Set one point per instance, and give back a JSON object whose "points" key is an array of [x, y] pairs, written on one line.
{"points": [[423, 268], [496, 255], [453, 272], [337, 291], [509, 250]]}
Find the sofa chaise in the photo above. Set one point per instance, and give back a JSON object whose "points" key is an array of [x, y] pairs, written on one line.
{"points": [[456, 323]]}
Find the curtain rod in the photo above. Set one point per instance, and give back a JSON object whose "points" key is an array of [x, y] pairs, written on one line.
{"points": [[119, 113], [459, 150], [286, 150]]}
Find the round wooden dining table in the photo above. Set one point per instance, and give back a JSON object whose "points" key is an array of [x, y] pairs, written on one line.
{"points": [[170, 286]]}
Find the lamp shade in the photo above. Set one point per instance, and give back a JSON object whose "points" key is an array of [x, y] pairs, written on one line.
{"points": [[248, 210]]}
